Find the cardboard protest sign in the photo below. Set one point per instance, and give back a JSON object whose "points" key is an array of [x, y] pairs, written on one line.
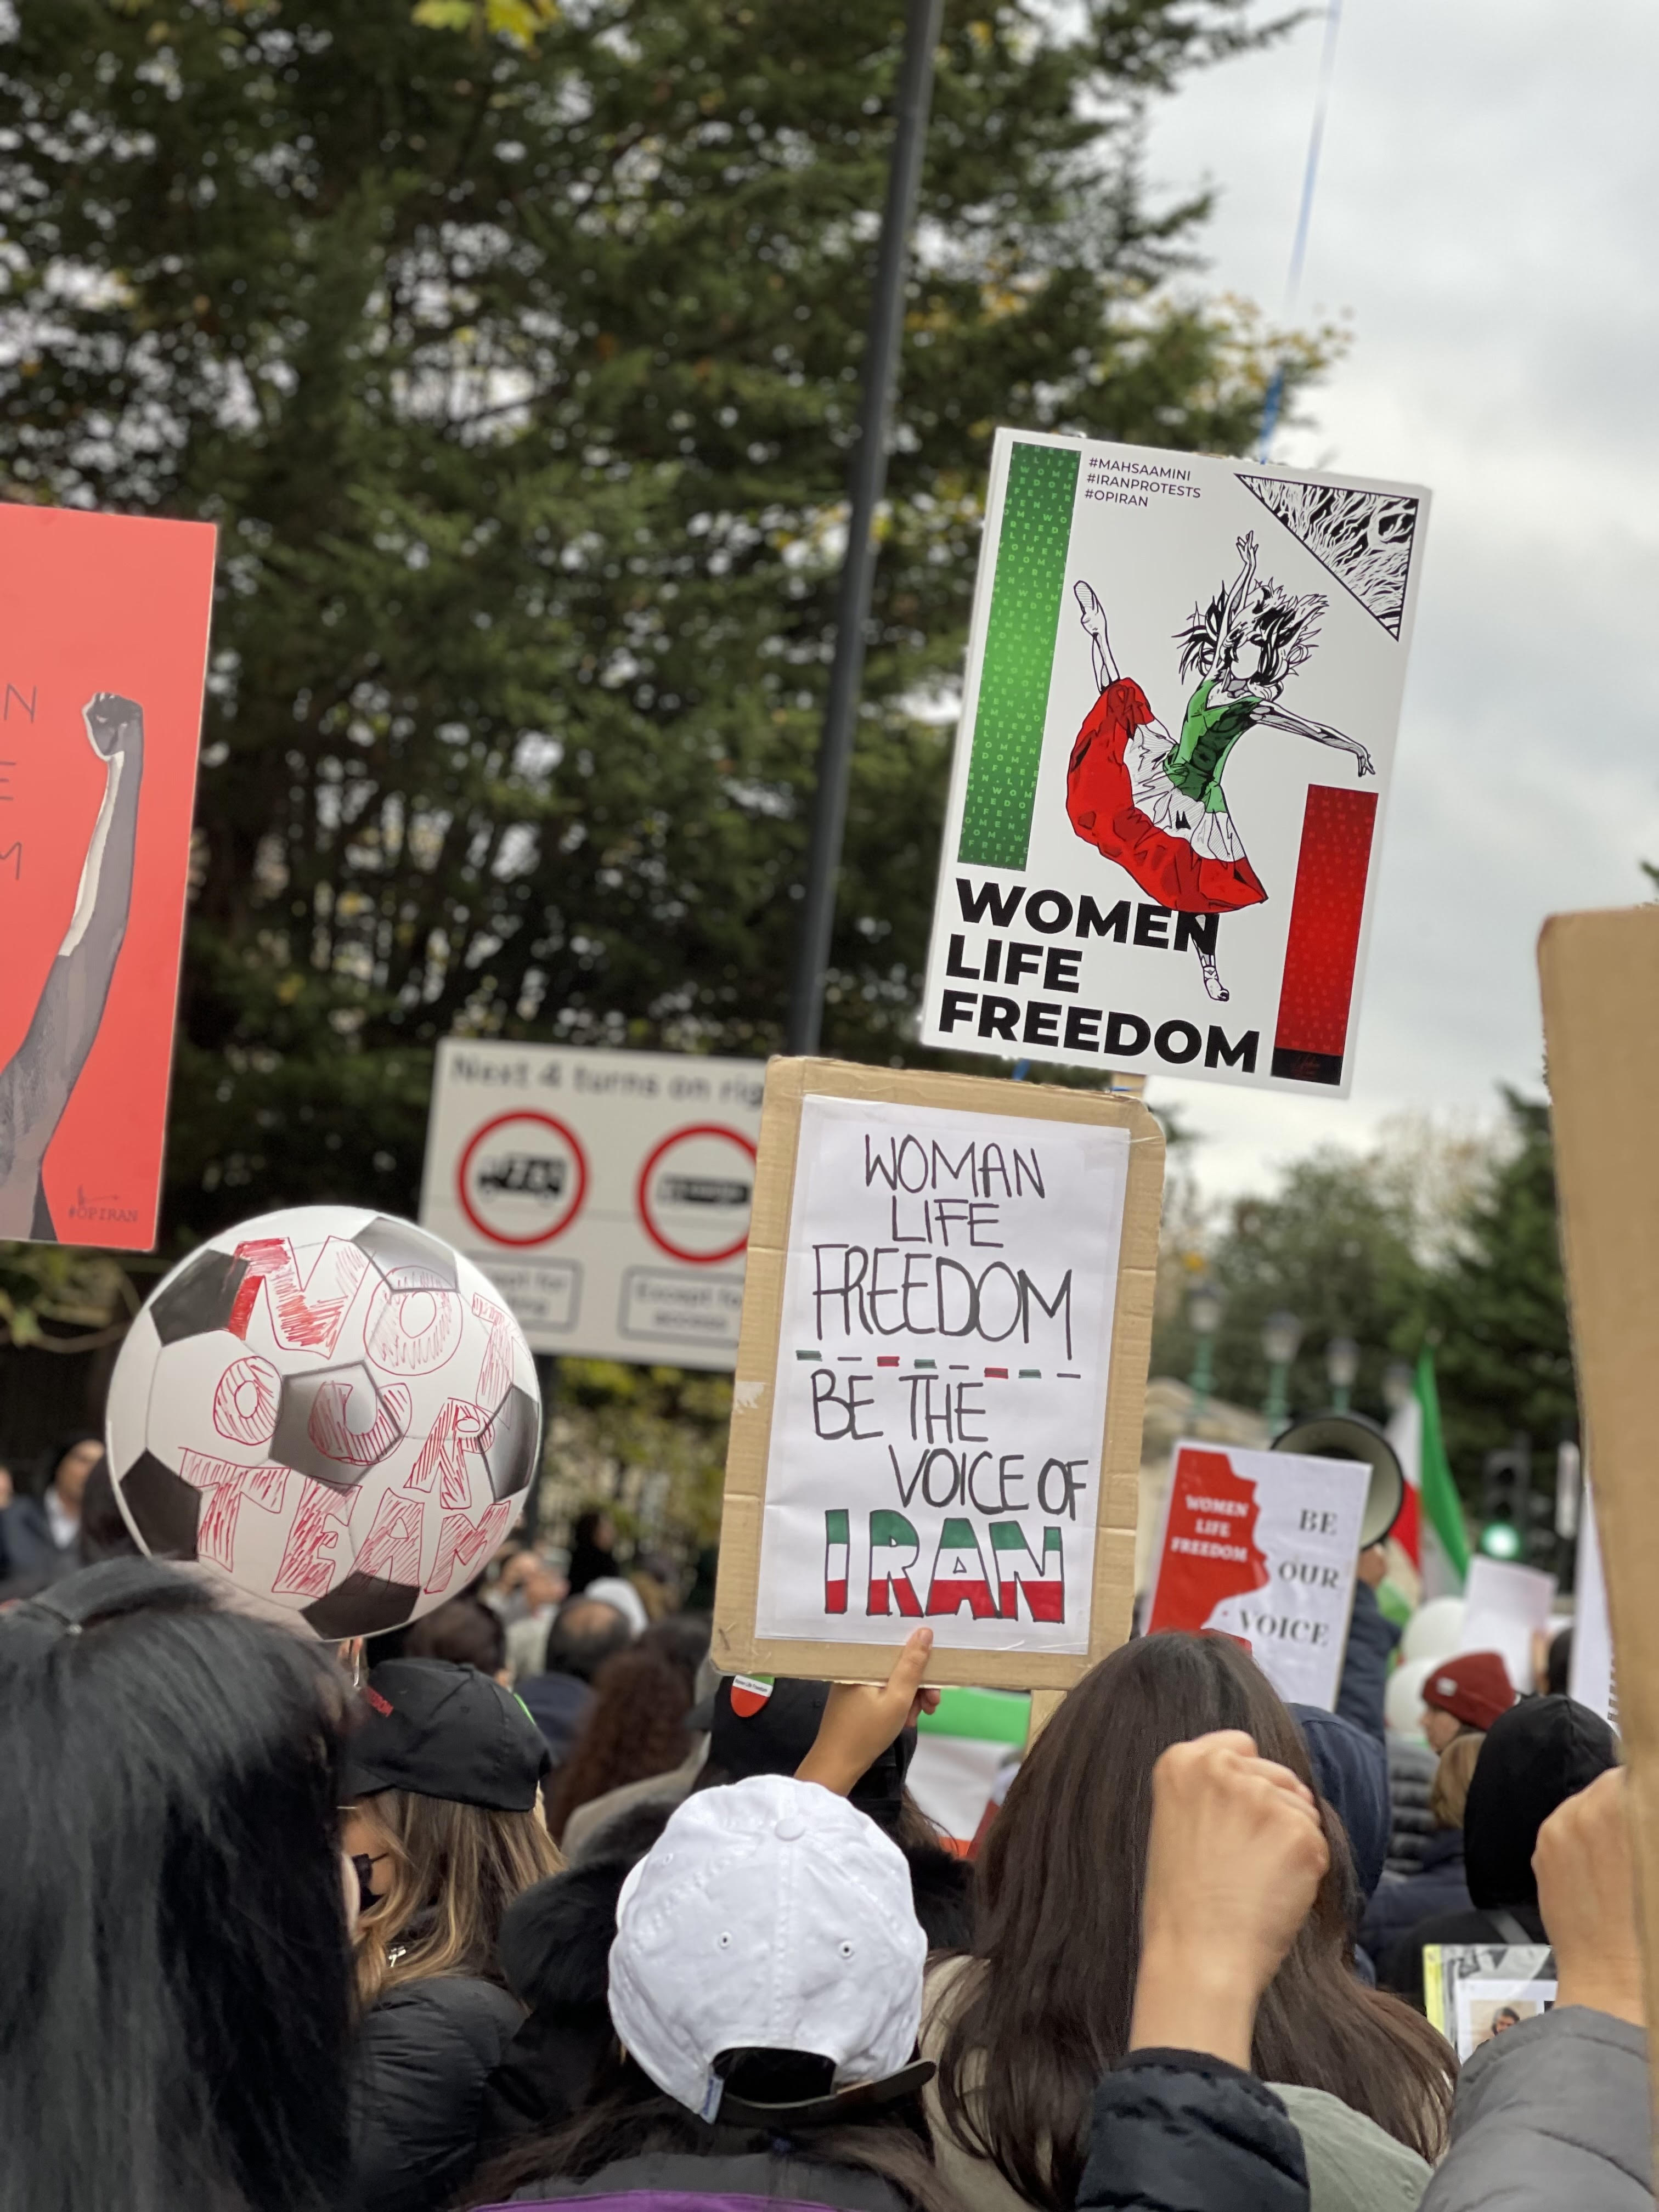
{"points": [[1600, 974], [936, 1409], [605, 1195], [1262, 1546], [1590, 1678], [1183, 689], [106, 623], [1506, 1609]]}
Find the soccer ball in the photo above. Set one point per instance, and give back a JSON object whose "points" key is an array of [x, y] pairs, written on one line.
{"points": [[331, 1406]]}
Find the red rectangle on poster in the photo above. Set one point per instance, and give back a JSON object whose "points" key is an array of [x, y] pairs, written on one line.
{"points": [[1316, 992], [103, 652]]}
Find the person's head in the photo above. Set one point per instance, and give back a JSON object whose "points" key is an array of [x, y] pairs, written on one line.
{"points": [[758, 1727], [176, 2011], [1535, 1757], [769, 1933], [1466, 1691], [1058, 1913], [70, 1461], [620, 1594], [1505, 2016], [104, 1534], [1558, 1665], [1283, 628], [635, 1728], [466, 1631], [682, 1638], [1449, 1793], [437, 1787], [765, 1983], [585, 1633], [595, 1530]]}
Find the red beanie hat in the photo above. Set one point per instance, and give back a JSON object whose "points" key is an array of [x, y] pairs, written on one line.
{"points": [[1474, 1688]]}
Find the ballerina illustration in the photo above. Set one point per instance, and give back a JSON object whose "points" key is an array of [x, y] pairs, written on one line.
{"points": [[1154, 804]]}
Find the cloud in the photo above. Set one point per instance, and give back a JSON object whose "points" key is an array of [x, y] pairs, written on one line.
{"points": [[1482, 219]]}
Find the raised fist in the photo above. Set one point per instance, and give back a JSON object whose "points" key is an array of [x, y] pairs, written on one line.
{"points": [[1088, 607], [114, 725]]}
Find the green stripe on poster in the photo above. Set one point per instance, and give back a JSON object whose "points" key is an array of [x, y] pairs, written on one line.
{"points": [[989, 1716], [1019, 652]]}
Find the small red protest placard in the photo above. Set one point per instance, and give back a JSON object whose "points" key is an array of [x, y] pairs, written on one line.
{"points": [[1261, 1545], [103, 651]]}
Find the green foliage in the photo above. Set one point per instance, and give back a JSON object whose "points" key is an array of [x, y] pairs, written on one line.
{"points": [[1396, 1251], [1503, 1357], [515, 351], [1332, 1246], [650, 1440], [52, 1296]]}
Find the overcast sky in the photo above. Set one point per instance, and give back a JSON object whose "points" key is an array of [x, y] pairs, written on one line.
{"points": [[1484, 221]]}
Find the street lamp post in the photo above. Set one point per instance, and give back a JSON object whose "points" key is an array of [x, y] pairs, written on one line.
{"points": [[1399, 1386], [1203, 1313], [1281, 1338], [1342, 1371]]}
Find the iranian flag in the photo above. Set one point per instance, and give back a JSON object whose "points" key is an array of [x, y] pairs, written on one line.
{"points": [[1429, 1529], [965, 1752]]}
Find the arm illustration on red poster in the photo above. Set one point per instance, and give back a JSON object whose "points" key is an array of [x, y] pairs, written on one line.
{"points": [[105, 643]]}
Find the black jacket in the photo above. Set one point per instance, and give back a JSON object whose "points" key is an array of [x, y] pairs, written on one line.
{"points": [[1438, 1886], [750, 2176], [1411, 1782], [1371, 1638], [1177, 2132], [424, 2052]]}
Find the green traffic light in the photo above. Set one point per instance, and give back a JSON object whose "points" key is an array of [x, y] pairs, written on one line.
{"points": [[1501, 1539]]}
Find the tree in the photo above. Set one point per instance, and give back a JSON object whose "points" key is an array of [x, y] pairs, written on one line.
{"points": [[1504, 1357], [515, 352], [1335, 1246]]}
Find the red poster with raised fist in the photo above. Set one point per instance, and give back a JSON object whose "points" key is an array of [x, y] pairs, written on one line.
{"points": [[103, 651]]}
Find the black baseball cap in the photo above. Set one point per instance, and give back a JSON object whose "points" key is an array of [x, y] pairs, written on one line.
{"points": [[762, 1726], [441, 1730]]}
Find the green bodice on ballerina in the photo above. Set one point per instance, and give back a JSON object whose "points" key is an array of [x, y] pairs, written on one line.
{"points": [[1208, 734]]}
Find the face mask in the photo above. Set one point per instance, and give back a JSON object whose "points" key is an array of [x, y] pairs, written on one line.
{"points": [[364, 1863]]}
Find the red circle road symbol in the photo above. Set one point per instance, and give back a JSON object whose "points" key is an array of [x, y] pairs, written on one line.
{"points": [[514, 1180], [700, 1188]]}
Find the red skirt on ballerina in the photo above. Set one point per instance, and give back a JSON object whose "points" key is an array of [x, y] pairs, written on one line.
{"points": [[1182, 851]]}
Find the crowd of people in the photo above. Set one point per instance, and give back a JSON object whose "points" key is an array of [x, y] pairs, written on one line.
{"points": [[526, 1904]]}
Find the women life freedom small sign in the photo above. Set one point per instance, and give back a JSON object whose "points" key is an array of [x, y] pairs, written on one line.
{"points": [[942, 1383], [1263, 1546]]}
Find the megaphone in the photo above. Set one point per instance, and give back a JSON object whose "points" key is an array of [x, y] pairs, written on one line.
{"points": [[1351, 1436]]}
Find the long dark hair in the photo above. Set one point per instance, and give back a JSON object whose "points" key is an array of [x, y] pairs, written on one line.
{"points": [[635, 1728], [175, 2013], [1033, 2027], [627, 2116]]}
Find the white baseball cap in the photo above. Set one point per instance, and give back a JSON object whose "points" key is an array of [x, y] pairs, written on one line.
{"points": [[770, 1914]]}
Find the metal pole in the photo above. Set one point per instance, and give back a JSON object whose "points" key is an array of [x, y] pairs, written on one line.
{"points": [[869, 478]]}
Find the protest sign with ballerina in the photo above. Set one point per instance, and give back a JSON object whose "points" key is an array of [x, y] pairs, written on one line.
{"points": [[1138, 614]]}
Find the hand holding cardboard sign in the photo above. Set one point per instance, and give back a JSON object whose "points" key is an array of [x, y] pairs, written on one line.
{"points": [[1586, 1895], [861, 1719], [1236, 1854]]}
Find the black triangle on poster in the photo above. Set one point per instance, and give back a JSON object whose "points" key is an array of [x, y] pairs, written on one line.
{"points": [[1364, 538]]}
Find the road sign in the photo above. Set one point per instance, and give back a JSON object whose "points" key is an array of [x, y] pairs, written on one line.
{"points": [[606, 1194]]}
